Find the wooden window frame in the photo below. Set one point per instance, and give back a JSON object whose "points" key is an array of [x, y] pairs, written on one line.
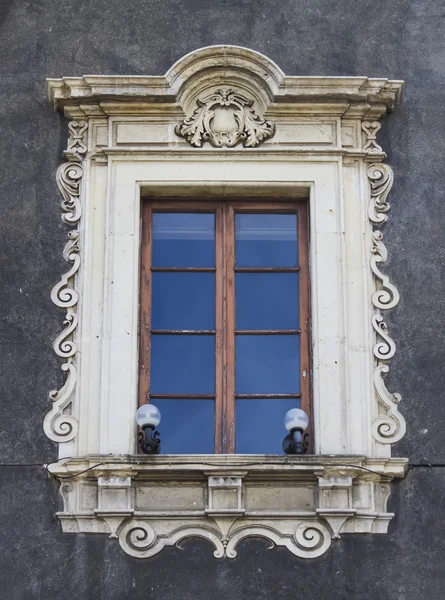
{"points": [[225, 271]]}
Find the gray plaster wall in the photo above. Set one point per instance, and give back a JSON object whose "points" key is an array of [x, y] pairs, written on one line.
{"points": [[401, 39]]}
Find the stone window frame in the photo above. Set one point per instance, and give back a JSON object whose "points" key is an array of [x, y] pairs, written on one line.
{"points": [[312, 137]]}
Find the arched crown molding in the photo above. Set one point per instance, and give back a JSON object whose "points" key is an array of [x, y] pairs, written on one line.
{"points": [[196, 73], [204, 70]]}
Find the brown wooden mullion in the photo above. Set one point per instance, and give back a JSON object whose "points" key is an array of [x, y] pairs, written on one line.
{"points": [[267, 269], [260, 396], [183, 269], [145, 304], [182, 396], [219, 331], [182, 332], [229, 396], [267, 331], [305, 319]]}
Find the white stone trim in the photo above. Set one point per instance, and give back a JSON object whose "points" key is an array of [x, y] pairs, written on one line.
{"points": [[312, 137], [299, 503]]}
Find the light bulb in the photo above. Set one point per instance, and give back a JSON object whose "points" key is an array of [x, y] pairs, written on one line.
{"points": [[296, 418], [148, 415]]}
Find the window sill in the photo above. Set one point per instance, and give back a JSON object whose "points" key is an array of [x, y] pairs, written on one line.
{"points": [[301, 502]]}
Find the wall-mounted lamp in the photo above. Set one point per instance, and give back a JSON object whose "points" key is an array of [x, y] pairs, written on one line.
{"points": [[296, 422], [148, 417]]}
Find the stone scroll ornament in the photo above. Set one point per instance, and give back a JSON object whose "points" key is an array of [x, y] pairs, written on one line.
{"points": [[389, 427], [225, 119], [308, 539], [59, 423]]}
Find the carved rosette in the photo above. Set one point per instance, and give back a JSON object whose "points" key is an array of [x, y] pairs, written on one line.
{"points": [[59, 424], [308, 539], [225, 119], [389, 427]]}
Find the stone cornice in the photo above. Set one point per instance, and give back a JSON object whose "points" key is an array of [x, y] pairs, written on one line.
{"points": [[301, 503], [266, 466], [98, 94]]}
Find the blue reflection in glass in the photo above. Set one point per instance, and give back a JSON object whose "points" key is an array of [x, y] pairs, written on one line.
{"points": [[182, 364], [267, 364], [266, 240], [183, 301], [267, 301], [187, 426], [260, 425], [183, 240]]}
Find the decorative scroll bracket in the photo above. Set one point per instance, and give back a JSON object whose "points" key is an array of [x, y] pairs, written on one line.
{"points": [[390, 426], [59, 424]]}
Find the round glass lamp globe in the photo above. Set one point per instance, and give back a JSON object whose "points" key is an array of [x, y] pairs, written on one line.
{"points": [[148, 414], [296, 418]]}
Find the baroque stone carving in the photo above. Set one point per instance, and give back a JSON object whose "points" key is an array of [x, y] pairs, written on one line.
{"points": [[382, 178], [312, 503], [225, 119], [385, 348], [76, 141], [59, 425], [371, 128], [387, 295], [68, 179], [390, 427], [62, 294], [309, 539]]}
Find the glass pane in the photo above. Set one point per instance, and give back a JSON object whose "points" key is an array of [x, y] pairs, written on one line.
{"points": [[260, 424], [183, 240], [267, 301], [182, 364], [183, 301], [266, 240], [187, 426], [267, 364]]}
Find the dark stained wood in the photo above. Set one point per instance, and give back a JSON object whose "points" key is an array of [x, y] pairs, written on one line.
{"points": [[145, 305], [229, 278], [206, 206], [219, 326], [305, 318], [254, 396], [266, 206], [182, 396], [182, 332], [267, 331], [267, 269], [183, 269]]}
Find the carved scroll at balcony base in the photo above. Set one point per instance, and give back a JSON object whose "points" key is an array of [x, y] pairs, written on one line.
{"points": [[298, 504]]}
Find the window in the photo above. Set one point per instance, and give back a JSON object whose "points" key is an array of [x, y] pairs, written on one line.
{"points": [[225, 126], [224, 322]]}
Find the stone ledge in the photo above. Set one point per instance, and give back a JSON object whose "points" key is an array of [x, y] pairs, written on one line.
{"points": [[300, 502]]}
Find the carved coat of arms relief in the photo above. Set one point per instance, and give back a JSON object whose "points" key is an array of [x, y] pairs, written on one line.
{"points": [[225, 119]]}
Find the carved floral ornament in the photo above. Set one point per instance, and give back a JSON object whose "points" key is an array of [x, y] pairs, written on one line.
{"points": [[225, 119], [224, 93]]}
